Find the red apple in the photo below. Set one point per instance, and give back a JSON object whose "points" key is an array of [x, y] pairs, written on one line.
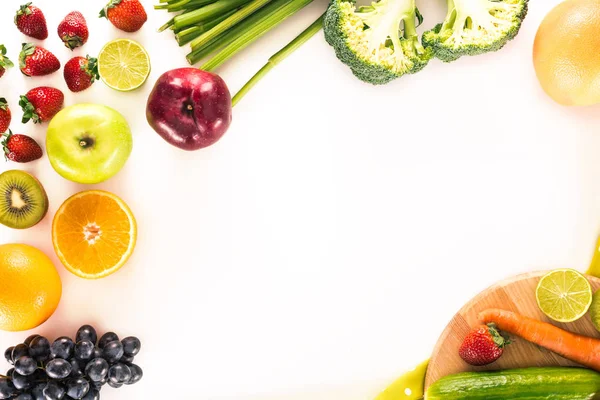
{"points": [[189, 108]]}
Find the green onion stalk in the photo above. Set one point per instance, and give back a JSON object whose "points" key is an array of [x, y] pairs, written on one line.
{"points": [[278, 57], [213, 10], [254, 32], [186, 35]]}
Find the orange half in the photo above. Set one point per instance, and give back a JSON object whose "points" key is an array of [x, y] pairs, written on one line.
{"points": [[94, 234]]}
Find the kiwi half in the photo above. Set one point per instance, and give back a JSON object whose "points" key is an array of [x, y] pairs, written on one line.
{"points": [[23, 200]]}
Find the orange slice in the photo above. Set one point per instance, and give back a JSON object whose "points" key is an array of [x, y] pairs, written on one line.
{"points": [[94, 234]]}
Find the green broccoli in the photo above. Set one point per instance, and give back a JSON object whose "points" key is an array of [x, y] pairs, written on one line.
{"points": [[475, 27], [371, 40]]}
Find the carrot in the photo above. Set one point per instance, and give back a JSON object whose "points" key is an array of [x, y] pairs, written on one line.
{"points": [[581, 349]]}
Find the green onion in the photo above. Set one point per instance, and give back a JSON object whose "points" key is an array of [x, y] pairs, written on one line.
{"points": [[228, 37], [188, 34], [167, 25], [247, 10], [253, 31], [278, 57], [205, 13]]}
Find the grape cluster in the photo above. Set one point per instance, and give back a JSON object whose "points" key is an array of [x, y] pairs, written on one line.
{"points": [[67, 369]]}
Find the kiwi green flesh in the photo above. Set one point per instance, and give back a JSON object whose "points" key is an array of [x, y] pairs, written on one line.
{"points": [[23, 200]]}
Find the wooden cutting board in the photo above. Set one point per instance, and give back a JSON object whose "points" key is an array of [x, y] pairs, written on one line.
{"points": [[515, 294]]}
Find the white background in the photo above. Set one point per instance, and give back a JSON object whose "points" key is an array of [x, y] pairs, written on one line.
{"points": [[318, 250]]}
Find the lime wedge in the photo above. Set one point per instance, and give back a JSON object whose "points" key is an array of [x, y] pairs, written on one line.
{"points": [[123, 64], [564, 295], [409, 386]]}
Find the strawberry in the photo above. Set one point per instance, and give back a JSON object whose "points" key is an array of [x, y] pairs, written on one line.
{"points": [[21, 148], [30, 21], [126, 15], [73, 30], [5, 115], [37, 61], [4, 61], [483, 345], [81, 72], [41, 104]]}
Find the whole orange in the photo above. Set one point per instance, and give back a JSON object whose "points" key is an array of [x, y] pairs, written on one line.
{"points": [[30, 287], [566, 53]]}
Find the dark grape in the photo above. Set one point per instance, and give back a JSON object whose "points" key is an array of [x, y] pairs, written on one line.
{"points": [[7, 389], [30, 339], [131, 346], [98, 353], [84, 350], [10, 372], [39, 376], [19, 351], [76, 369], [97, 369], [24, 396], [119, 373], [8, 354], [107, 338], [136, 374], [93, 394], [62, 348], [114, 385], [58, 368], [25, 365], [86, 332], [39, 348], [127, 359], [98, 385], [38, 391], [20, 382], [54, 391], [77, 388], [113, 351]]}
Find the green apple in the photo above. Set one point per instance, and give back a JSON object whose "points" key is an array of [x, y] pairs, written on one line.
{"points": [[88, 143]]}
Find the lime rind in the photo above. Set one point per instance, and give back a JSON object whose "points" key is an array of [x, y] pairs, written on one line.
{"points": [[564, 295]]}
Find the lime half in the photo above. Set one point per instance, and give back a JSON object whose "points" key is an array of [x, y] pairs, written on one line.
{"points": [[564, 295], [123, 64]]}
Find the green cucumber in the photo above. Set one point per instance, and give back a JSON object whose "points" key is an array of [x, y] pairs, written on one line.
{"points": [[525, 384]]}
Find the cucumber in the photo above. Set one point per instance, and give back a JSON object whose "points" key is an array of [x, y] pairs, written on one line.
{"points": [[560, 383]]}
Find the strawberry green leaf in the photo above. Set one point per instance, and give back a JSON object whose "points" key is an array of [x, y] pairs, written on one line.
{"points": [[4, 144], [29, 112], [23, 10], [3, 104], [499, 339], [91, 68], [111, 4], [4, 61], [72, 41], [27, 50]]}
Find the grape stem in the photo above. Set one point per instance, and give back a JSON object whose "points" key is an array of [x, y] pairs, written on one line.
{"points": [[278, 57]]}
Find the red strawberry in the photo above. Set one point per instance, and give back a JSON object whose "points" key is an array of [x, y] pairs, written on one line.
{"points": [[37, 61], [4, 61], [5, 115], [126, 15], [31, 21], [81, 72], [41, 104], [483, 345], [73, 30], [21, 148]]}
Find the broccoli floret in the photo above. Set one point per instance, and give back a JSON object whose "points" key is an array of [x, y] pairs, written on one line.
{"points": [[379, 42], [475, 27]]}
